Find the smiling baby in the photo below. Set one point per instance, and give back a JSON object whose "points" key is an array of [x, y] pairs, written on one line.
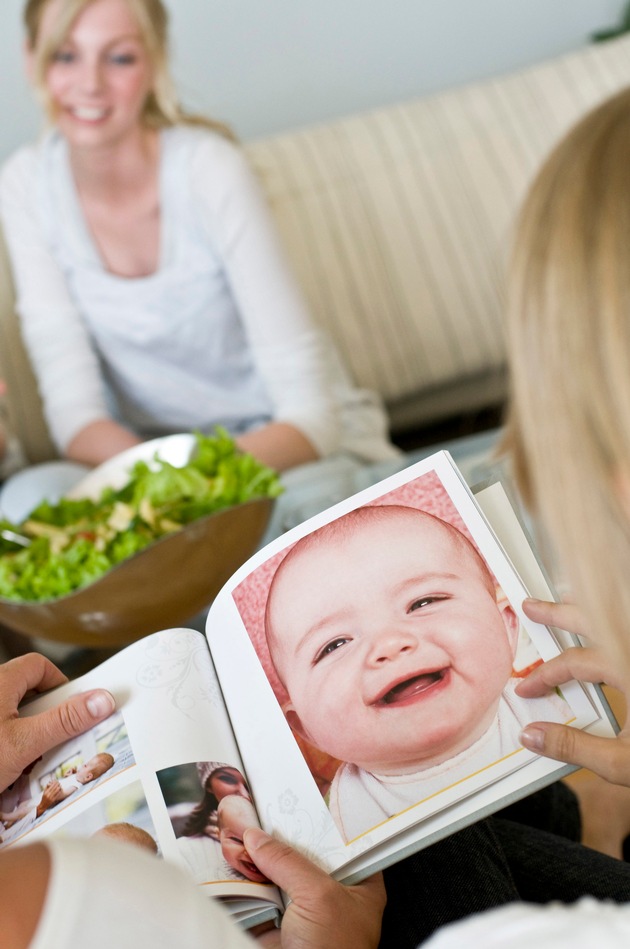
{"points": [[385, 630]]}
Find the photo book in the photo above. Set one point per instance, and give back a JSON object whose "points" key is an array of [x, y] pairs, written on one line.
{"points": [[355, 694]]}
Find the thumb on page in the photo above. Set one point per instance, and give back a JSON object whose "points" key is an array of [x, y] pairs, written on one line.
{"points": [[36, 734], [288, 869], [322, 911], [23, 738], [71, 717], [607, 757]]}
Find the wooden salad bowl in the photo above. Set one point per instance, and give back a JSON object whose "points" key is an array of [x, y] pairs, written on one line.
{"points": [[164, 585]]}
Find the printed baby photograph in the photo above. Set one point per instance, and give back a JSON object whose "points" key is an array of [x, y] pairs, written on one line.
{"points": [[123, 815], [62, 777], [210, 806], [394, 655]]}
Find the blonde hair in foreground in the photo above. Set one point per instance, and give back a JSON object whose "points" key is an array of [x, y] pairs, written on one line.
{"points": [[569, 345], [162, 108]]}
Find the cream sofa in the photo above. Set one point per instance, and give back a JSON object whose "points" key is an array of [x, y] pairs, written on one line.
{"points": [[397, 223]]}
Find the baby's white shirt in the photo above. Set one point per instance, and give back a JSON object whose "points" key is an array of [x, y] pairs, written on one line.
{"points": [[360, 800], [70, 783]]}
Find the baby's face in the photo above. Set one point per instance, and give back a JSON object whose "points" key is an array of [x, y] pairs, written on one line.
{"points": [[88, 770], [232, 827], [391, 645], [225, 781]]}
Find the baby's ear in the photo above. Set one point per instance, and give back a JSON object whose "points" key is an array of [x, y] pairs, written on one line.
{"points": [[510, 621], [294, 720]]}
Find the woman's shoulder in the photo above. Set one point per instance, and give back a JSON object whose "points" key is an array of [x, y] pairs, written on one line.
{"points": [[201, 143], [19, 167], [19, 171], [212, 159]]}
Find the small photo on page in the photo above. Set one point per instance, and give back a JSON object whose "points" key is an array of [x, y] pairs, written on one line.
{"points": [[123, 815], [57, 781], [394, 655], [210, 806]]}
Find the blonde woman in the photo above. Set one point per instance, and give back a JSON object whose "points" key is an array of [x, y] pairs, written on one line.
{"points": [[153, 293], [569, 343]]}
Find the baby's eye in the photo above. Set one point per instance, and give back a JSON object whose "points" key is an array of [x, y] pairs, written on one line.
{"points": [[330, 647], [424, 601]]}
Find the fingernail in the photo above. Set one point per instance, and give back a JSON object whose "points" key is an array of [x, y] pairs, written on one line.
{"points": [[533, 738], [100, 704], [254, 837]]}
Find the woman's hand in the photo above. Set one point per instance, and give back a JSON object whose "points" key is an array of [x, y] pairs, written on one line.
{"points": [[24, 740], [99, 441], [322, 913], [607, 757]]}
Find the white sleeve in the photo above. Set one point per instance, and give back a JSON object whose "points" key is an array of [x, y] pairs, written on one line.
{"points": [[123, 896], [292, 356], [64, 362], [580, 925]]}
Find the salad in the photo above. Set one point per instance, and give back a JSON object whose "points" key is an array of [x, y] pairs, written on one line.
{"points": [[74, 542]]}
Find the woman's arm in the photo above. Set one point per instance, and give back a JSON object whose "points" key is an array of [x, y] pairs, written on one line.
{"points": [[100, 440], [291, 355], [278, 444], [63, 360], [24, 876]]}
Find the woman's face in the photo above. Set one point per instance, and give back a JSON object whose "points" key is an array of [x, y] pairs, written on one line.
{"points": [[100, 76], [226, 781]]}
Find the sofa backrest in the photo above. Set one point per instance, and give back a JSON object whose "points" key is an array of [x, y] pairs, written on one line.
{"points": [[22, 403], [398, 220]]}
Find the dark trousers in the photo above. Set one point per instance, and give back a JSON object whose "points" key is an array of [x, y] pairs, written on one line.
{"points": [[529, 851]]}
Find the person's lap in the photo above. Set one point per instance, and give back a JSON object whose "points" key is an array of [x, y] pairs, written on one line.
{"points": [[312, 488], [529, 852]]}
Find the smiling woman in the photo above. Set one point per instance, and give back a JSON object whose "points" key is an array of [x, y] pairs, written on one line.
{"points": [[98, 77], [153, 294]]}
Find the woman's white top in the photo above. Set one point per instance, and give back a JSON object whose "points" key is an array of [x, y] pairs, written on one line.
{"points": [[124, 897], [117, 896], [580, 925], [219, 334]]}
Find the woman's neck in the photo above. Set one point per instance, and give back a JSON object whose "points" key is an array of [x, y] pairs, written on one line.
{"points": [[119, 192], [113, 171]]}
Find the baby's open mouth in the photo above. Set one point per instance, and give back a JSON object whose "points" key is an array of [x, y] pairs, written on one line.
{"points": [[408, 689], [253, 869]]}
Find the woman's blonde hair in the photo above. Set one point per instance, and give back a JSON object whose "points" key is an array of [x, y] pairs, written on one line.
{"points": [[569, 346], [162, 108]]}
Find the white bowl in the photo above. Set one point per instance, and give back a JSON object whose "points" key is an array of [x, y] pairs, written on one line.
{"points": [[114, 473], [49, 481]]}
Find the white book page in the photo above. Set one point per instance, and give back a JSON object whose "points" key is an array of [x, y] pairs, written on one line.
{"points": [[289, 792], [170, 717]]}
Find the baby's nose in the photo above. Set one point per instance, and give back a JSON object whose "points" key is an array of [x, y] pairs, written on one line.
{"points": [[391, 644]]}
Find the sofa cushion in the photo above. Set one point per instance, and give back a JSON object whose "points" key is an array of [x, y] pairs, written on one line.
{"points": [[397, 221]]}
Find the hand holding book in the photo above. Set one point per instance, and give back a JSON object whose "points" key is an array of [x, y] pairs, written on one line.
{"points": [[321, 912], [607, 757], [23, 740]]}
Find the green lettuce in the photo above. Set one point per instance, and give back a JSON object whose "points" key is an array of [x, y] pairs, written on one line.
{"points": [[76, 541]]}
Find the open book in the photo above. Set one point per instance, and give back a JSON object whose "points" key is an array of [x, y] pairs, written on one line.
{"points": [[354, 694]]}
